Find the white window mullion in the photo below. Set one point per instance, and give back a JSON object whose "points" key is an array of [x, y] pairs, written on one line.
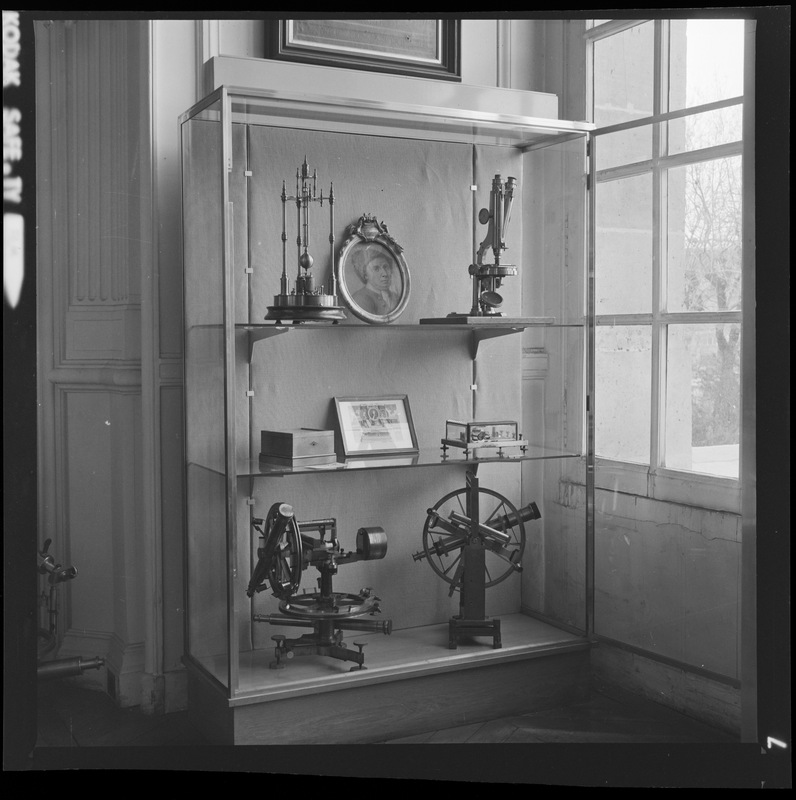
{"points": [[660, 328], [658, 392], [658, 376]]}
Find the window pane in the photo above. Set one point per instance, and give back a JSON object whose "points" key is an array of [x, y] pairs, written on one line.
{"points": [[706, 61], [623, 147], [703, 397], [623, 73], [711, 128], [623, 246], [622, 393], [704, 236]]}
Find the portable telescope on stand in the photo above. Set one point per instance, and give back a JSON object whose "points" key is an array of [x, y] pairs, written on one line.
{"points": [[306, 301]]}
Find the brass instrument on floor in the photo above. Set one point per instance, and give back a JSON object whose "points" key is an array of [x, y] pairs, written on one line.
{"points": [[62, 667], [287, 549], [306, 300], [474, 539]]}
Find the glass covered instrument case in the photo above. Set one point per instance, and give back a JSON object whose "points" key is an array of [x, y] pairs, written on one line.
{"points": [[346, 588]]}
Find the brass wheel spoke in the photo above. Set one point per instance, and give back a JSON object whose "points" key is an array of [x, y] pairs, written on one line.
{"points": [[501, 504], [453, 563]]}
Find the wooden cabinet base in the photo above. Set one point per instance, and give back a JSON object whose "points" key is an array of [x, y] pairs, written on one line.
{"points": [[374, 712]]}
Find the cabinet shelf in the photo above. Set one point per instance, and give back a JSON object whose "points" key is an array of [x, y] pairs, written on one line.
{"points": [[426, 457], [479, 328], [406, 654]]}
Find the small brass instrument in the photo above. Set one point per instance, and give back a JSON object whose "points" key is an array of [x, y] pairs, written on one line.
{"points": [[48, 638], [487, 278], [306, 300], [475, 435], [287, 549]]}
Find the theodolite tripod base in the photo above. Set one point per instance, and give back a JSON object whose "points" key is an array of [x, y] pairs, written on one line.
{"points": [[326, 638], [315, 645]]}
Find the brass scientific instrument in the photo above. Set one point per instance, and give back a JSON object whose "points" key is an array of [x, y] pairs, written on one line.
{"points": [[48, 637], [487, 278], [474, 539], [287, 548], [476, 435], [306, 299]]}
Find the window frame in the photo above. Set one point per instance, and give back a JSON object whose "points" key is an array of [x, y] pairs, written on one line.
{"points": [[654, 480]]}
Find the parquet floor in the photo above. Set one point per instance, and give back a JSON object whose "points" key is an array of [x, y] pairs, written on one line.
{"points": [[600, 720], [613, 738], [71, 716]]}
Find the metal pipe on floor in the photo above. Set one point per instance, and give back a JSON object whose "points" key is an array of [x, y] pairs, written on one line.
{"points": [[67, 667]]}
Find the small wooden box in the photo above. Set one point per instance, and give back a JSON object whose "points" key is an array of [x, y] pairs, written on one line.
{"points": [[297, 446]]}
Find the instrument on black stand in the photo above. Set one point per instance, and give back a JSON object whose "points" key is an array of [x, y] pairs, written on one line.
{"points": [[287, 549], [474, 539]]}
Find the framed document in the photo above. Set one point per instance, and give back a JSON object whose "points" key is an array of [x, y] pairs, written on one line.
{"points": [[425, 48], [375, 426]]}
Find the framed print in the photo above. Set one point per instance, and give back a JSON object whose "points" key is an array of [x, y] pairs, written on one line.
{"points": [[375, 426], [425, 48], [372, 273]]}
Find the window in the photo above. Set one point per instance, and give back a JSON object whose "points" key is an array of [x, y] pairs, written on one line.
{"points": [[667, 100]]}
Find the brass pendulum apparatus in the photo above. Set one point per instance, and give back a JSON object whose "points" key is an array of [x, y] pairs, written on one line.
{"points": [[306, 300]]}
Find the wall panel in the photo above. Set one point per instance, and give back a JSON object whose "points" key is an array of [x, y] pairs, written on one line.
{"points": [[92, 205]]}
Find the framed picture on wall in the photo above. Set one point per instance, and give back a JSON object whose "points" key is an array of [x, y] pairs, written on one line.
{"points": [[424, 48], [375, 426]]}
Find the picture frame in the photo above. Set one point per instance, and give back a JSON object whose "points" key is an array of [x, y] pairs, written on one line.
{"points": [[372, 274], [424, 48], [375, 426]]}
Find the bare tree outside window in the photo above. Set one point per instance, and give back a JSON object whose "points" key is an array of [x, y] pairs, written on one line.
{"points": [[674, 265]]}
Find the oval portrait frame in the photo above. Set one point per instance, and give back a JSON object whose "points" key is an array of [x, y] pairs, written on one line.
{"points": [[365, 239]]}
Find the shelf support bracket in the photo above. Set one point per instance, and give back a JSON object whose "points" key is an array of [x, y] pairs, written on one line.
{"points": [[257, 334], [479, 335]]}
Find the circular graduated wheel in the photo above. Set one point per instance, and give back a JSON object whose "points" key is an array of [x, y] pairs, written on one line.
{"points": [[282, 546], [449, 527], [338, 605]]}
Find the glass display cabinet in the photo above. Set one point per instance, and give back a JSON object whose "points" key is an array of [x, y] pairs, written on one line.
{"points": [[348, 574]]}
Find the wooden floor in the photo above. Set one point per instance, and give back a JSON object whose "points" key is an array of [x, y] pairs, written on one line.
{"points": [[80, 728]]}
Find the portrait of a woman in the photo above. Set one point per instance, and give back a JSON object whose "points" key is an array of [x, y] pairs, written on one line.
{"points": [[372, 273], [374, 267]]}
